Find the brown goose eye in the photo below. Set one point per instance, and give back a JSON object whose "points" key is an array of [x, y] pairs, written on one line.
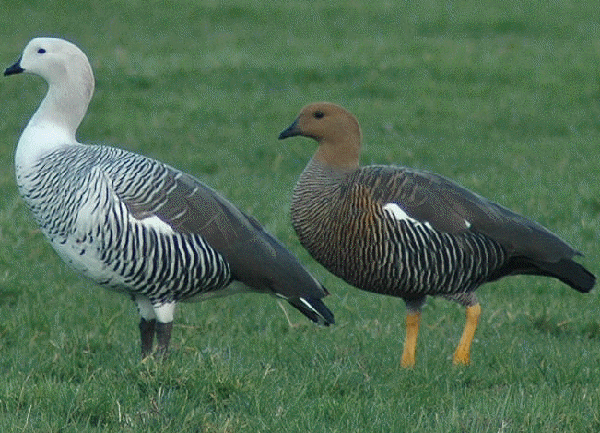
{"points": [[318, 114]]}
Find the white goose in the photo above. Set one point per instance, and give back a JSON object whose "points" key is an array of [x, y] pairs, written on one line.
{"points": [[134, 224]]}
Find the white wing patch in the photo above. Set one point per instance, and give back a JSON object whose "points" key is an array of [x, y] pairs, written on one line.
{"points": [[395, 211], [157, 224]]}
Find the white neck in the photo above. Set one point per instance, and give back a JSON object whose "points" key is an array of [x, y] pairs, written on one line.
{"points": [[53, 125]]}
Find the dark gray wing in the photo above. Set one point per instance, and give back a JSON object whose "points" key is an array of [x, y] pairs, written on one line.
{"points": [[255, 257], [450, 208]]}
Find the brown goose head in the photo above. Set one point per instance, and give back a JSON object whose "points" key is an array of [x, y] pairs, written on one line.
{"points": [[335, 129]]}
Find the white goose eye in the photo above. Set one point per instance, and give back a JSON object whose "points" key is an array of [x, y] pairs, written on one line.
{"points": [[41, 51]]}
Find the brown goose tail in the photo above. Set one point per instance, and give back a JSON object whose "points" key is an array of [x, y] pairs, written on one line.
{"points": [[566, 270], [570, 273]]}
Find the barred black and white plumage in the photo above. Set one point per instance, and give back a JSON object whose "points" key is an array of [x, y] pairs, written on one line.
{"points": [[410, 233], [137, 225], [114, 246]]}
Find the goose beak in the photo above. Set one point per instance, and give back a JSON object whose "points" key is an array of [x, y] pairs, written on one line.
{"points": [[14, 69], [290, 131]]}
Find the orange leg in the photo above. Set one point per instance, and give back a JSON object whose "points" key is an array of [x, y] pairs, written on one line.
{"points": [[462, 356], [410, 343]]}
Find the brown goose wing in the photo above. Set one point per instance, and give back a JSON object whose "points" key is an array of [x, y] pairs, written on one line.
{"points": [[450, 208]]}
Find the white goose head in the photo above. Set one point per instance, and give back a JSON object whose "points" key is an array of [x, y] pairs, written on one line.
{"points": [[70, 80]]}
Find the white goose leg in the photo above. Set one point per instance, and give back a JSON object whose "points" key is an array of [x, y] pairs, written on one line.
{"points": [[164, 325], [147, 335], [147, 323], [163, 337]]}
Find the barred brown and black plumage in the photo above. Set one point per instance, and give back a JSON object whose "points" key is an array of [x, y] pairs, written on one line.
{"points": [[137, 225], [410, 233]]}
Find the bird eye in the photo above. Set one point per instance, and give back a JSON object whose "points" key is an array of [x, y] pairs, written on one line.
{"points": [[41, 51], [318, 115]]}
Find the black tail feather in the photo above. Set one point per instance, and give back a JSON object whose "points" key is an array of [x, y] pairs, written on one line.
{"points": [[566, 270], [314, 309], [571, 273]]}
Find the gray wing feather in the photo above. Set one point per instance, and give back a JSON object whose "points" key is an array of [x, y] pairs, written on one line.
{"points": [[448, 207], [255, 257]]}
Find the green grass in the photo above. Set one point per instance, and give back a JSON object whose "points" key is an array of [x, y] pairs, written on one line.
{"points": [[502, 96]]}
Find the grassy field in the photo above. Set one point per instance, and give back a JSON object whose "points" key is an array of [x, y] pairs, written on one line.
{"points": [[502, 96]]}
